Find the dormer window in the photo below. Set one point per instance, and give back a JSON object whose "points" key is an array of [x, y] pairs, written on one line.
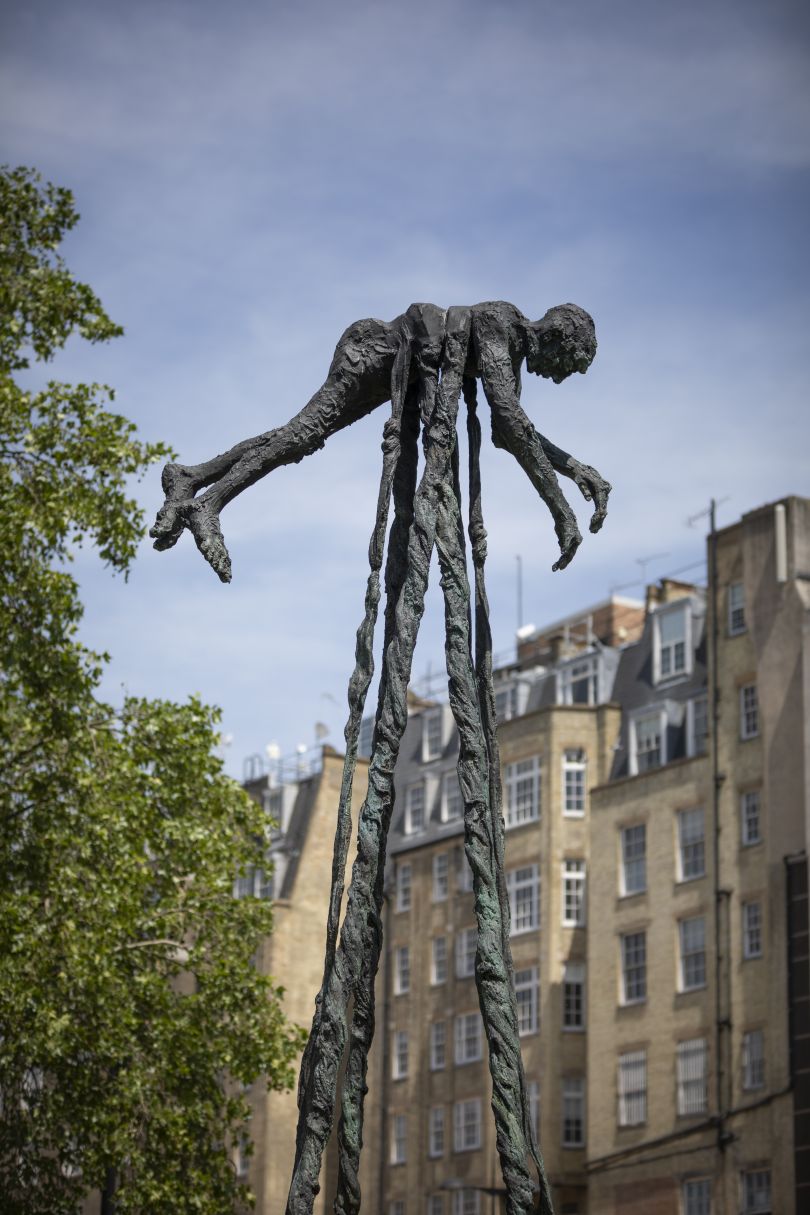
{"points": [[432, 742], [578, 681], [506, 702], [672, 643]]}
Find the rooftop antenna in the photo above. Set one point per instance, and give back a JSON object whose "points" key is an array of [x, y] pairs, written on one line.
{"points": [[519, 561], [643, 562]]}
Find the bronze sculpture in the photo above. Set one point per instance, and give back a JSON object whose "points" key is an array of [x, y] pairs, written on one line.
{"points": [[422, 362]]}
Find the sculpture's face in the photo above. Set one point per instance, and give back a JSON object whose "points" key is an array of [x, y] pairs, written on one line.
{"points": [[563, 342]]}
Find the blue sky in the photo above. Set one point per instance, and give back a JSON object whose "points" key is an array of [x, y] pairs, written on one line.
{"points": [[254, 177]]}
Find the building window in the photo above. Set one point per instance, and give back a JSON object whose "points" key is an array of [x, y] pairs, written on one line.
{"points": [[690, 1071], [466, 945], [523, 791], [467, 1125], [574, 995], [698, 721], [506, 702], [533, 1090], [692, 934], [466, 1202], [435, 1204], [441, 876], [438, 960], [468, 1038], [402, 970], [671, 643], [647, 749], [750, 818], [634, 859], [573, 1111], [399, 1059], [403, 887], [691, 845], [523, 886], [573, 901], [415, 809], [525, 982], [749, 711], [436, 1131], [397, 1207], [756, 1192], [574, 783], [431, 735], [736, 609], [632, 1086], [753, 1059], [399, 1138], [697, 1196], [752, 930], [578, 682], [634, 967], [464, 874], [438, 1046], [452, 801]]}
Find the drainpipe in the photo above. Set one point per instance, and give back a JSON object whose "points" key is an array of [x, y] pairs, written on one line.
{"points": [[722, 1025]]}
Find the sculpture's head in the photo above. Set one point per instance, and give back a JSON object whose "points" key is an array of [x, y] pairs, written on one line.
{"points": [[563, 342]]}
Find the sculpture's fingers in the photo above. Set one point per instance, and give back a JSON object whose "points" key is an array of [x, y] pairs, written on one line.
{"points": [[168, 526], [203, 523], [570, 540], [601, 492]]}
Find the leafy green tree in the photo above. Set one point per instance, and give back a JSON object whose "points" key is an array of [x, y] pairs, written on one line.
{"points": [[131, 1011]]}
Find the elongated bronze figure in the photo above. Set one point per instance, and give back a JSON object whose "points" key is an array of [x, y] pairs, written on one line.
{"points": [[422, 362]]}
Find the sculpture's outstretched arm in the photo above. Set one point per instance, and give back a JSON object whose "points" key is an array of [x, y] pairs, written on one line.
{"points": [[513, 431]]}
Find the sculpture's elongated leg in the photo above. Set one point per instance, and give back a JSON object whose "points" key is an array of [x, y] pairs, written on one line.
{"points": [[486, 700], [361, 934], [493, 965]]}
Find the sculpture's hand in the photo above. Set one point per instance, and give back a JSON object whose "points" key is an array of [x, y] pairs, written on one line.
{"points": [[197, 514], [594, 488]]}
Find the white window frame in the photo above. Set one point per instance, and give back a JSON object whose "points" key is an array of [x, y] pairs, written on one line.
{"points": [[574, 892], [748, 799], [414, 825], [575, 765], [436, 1132], [451, 798], [752, 1185], [466, 946], [525, 984], [692, 717], [399, 1054], [509, 690], [574, 995], [674, 673], [631, 1088], [519, 775], [691, 844], [441, 876], [438, 1046], [586, 668], [404, 886], [438, 961], [625, 861], [692, 1077], [736, 609], [431, 749], [749, 711], [402, 970], [468, 1037], [466, 1202], [636, 719], [573, 1111], [523, 888], [467, 1125], [435, 1204], [399, 1139], [633, 966], [696, 1196], [752, 923], [684, 955], [396, 1206], [753, 1060]]}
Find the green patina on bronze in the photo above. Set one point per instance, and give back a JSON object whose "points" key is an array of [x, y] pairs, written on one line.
{"points": [[422, 362]]}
